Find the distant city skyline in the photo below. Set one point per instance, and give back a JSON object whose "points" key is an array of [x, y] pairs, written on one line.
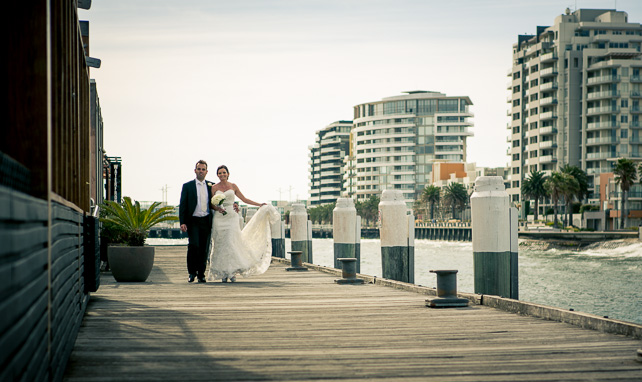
{"points": [[248, 83]]}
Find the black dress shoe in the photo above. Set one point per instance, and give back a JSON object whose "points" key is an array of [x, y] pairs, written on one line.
{"points": [[191, 278], [201, 280]]}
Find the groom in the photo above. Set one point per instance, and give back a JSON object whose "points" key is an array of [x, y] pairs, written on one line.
{"points": [[195, 216]]}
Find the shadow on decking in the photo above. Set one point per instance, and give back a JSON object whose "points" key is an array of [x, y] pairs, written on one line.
{"points": [[147, 344]]}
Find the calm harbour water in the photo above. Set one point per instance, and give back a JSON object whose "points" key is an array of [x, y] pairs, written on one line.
{"points": [[605, 282]]}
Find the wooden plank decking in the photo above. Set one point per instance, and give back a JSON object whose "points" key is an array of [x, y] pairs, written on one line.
{"points": [[301, 326]]}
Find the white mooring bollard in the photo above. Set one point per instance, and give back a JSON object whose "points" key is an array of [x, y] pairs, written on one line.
{"points": [[278, 239], [494, 226], [346, 232], [300, 232], [397, 233], [250, 212]]}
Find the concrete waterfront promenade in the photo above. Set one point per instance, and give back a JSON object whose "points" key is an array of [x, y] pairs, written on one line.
{"points": [[302, 326]]}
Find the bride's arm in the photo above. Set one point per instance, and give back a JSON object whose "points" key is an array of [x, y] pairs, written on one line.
{"points": [[238, 193]]}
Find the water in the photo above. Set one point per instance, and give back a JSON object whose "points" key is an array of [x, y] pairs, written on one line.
{"points": [[605, 282]]}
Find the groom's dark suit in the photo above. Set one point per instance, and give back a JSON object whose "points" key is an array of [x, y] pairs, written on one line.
{"points": [[199, 229]]}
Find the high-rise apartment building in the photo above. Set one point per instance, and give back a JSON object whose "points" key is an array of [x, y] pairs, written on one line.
{"points": [[326, 162], [396, 140], [575, 93]]}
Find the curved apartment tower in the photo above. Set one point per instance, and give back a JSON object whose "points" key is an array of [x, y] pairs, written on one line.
{"points": [[396, 140]]}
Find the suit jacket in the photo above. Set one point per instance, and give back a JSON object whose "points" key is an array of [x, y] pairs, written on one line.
{"points": [[189, 200]]}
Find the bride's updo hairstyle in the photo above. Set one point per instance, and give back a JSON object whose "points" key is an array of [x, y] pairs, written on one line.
{"points": [[223, 166]]}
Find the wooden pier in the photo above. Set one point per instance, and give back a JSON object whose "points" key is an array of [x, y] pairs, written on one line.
{"points": [[302, 326]]}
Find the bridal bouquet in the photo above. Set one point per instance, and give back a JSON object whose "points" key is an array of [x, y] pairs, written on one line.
{"points": [[217, 200]]}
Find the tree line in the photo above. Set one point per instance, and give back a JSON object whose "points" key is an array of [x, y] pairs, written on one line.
{"points": [[571, 183], [368, 210], [565, 186]]}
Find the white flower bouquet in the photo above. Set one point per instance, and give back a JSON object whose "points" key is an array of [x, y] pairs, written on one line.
{"points": [[217, 200]]}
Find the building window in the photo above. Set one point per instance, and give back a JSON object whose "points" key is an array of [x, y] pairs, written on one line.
{"points": [[448, 105]]}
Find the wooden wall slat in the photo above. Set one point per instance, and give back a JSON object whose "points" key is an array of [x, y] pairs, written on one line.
{"points": [[33, 339], [21, 330], [42, 284]]}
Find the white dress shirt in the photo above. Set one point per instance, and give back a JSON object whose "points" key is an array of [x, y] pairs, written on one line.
{"points": [[201, 199]]}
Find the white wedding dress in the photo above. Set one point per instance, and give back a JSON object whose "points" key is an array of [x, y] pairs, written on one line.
{"points": [[235, 252]]}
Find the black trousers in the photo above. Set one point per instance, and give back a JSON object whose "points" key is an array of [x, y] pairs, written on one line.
{"points": [[199, 231]]}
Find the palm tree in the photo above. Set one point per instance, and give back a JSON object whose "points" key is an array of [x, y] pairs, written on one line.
{"points": [[582, 183], [455, 194], [431, 194], [533, 187], [369, 209], [554, 184], [625, 176], [570, 188], [561, 185]]}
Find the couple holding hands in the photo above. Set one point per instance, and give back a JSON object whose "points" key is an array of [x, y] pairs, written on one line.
{"points": [[209, 216]]}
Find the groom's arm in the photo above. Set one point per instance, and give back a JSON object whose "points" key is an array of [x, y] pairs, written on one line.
{"points": [[182, 208]]}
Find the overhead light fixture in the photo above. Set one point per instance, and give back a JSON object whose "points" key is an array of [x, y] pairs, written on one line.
{"points": [[84, 4], [92, 62]]}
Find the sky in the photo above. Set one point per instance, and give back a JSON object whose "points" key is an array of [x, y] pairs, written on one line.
{"points": [[248, 83]]}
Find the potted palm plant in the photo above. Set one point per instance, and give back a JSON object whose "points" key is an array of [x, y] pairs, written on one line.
{"points": [[129, 258]]}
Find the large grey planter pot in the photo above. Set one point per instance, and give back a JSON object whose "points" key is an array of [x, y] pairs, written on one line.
{"points": [[130, 263]]}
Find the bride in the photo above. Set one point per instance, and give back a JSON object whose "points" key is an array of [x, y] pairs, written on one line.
{"points": [[235, 252]]}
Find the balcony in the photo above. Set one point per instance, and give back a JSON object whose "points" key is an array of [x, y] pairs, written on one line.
{"points": [[635, 79], [547, 130], [548, 159], [602, 80], [598, 156], [547, 144], [635, 94], [549, 72], [548, 115], [602, 95], [548, 101], [601, 125], [601, 141], [598, 170], [635, 110], [548, 57], [602, 110], [547, 86]]}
